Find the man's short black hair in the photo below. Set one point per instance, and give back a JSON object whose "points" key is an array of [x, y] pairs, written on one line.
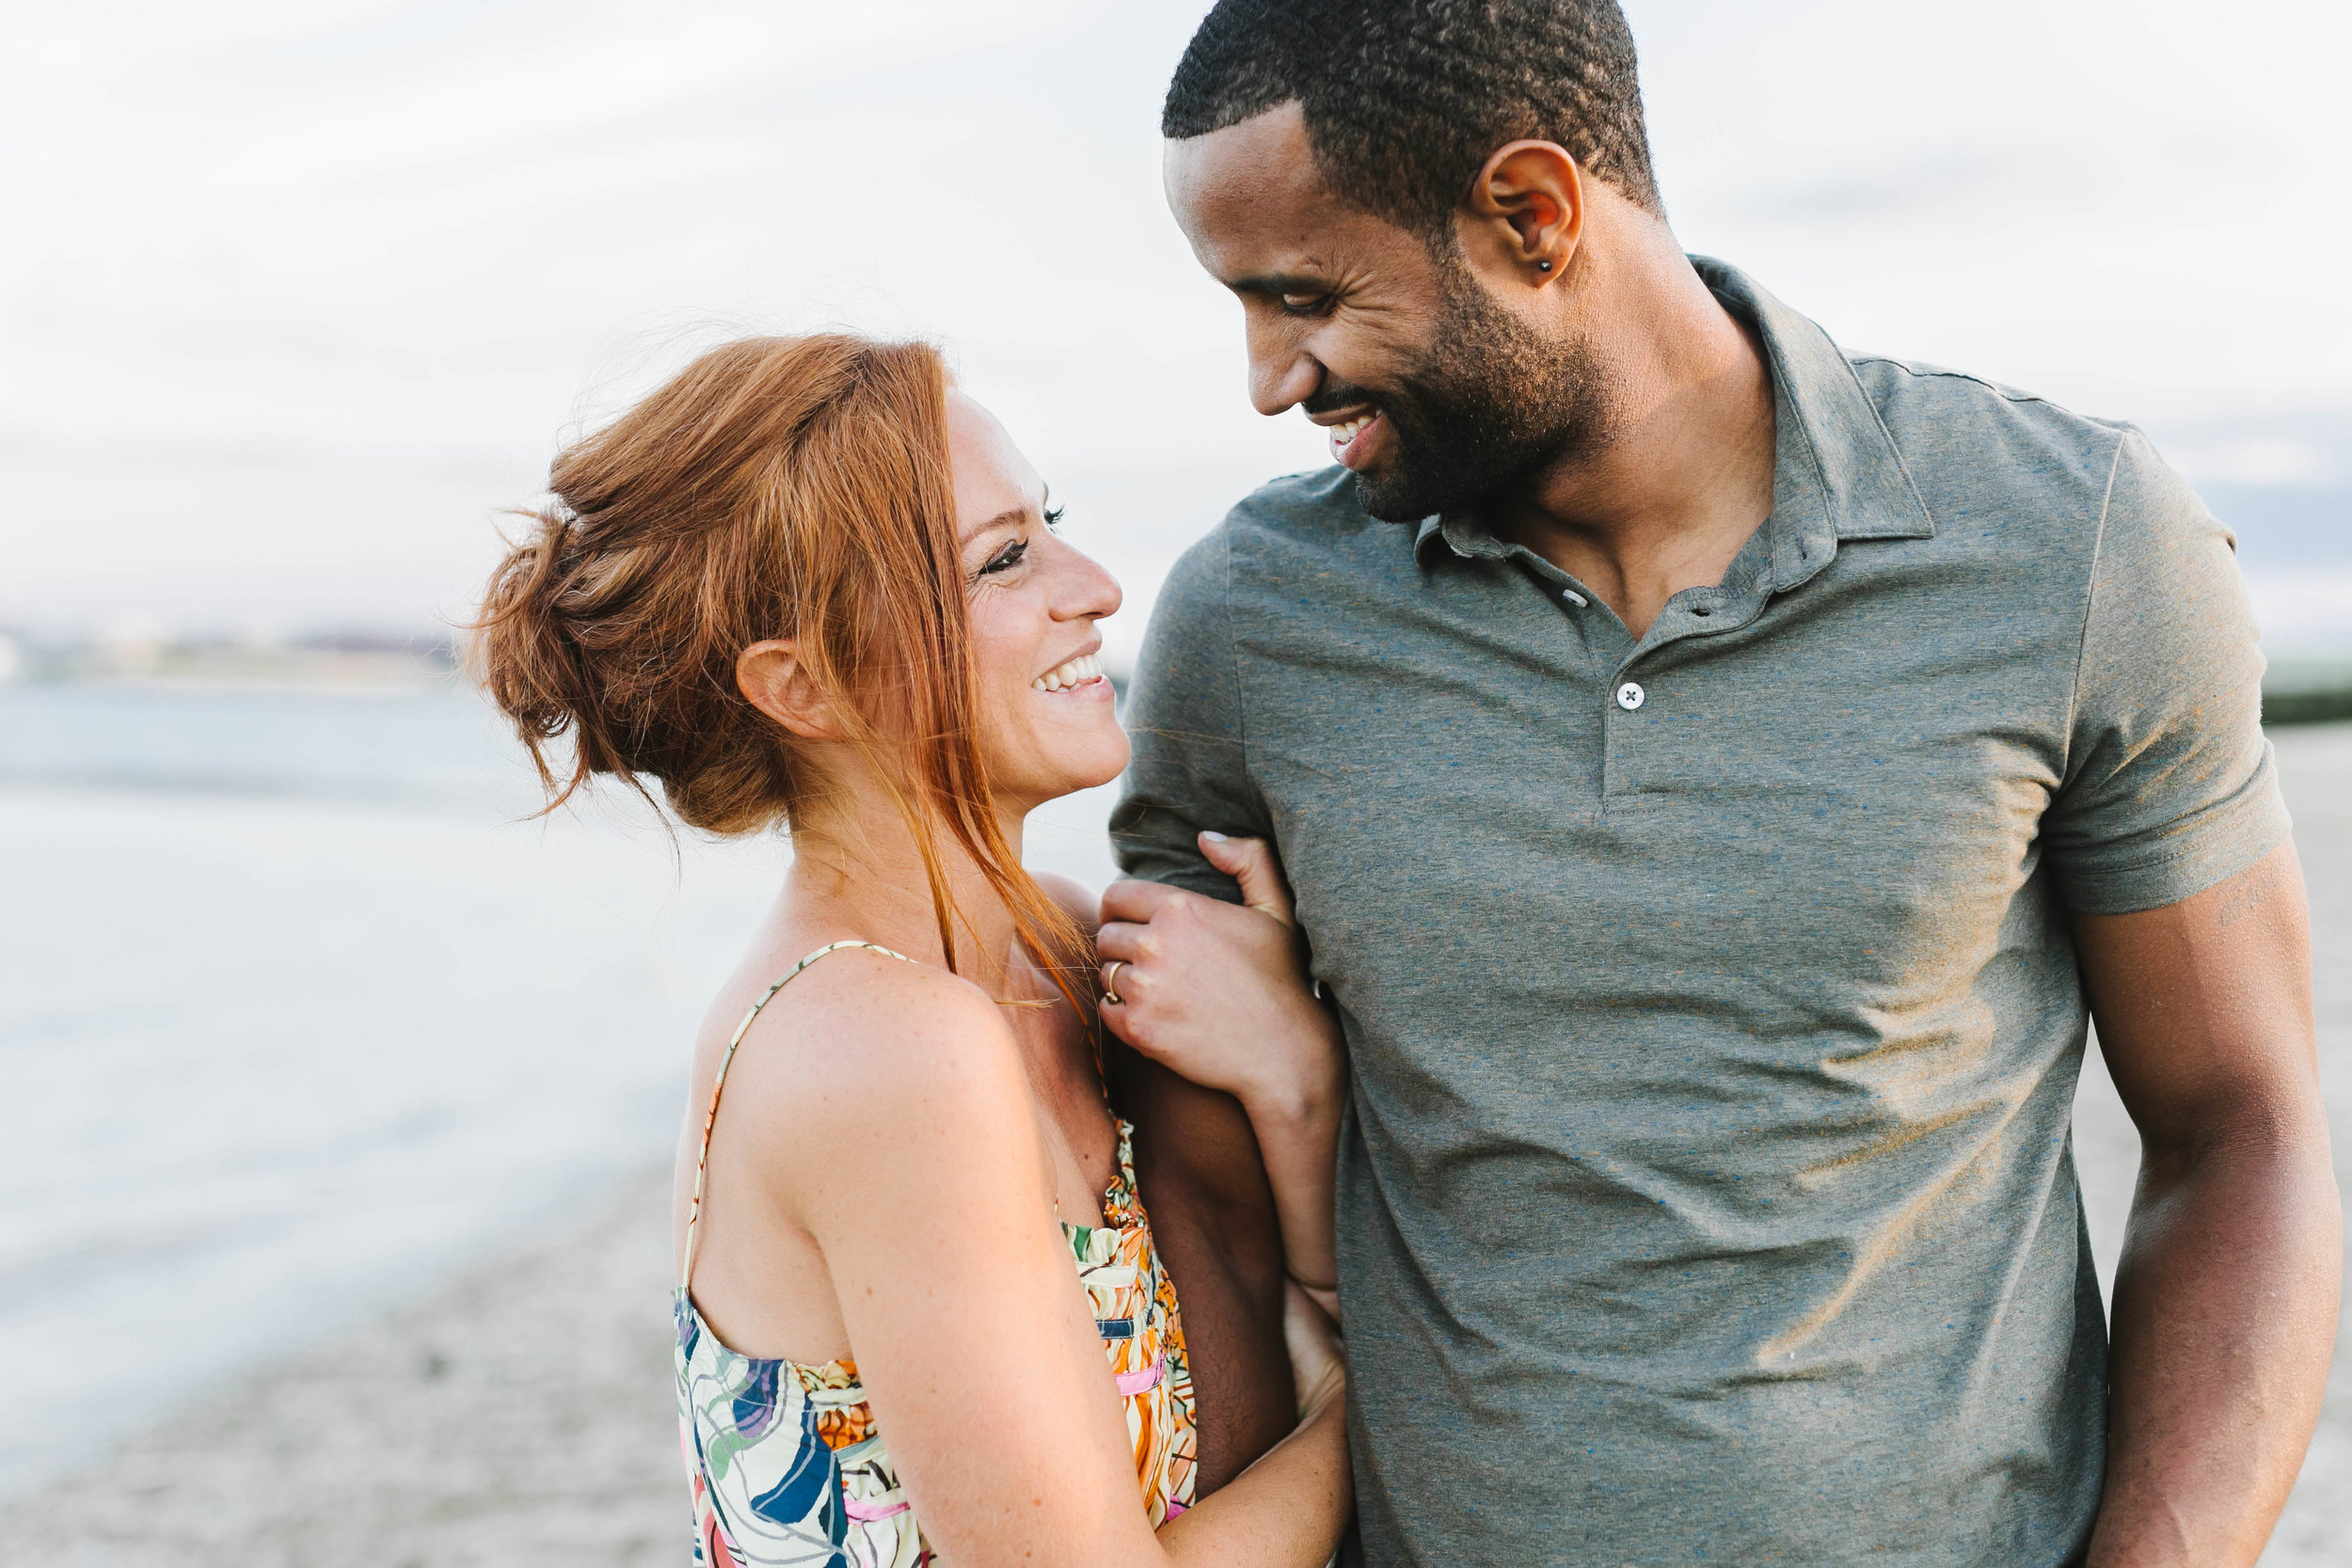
{"points": [[1404, 99]]}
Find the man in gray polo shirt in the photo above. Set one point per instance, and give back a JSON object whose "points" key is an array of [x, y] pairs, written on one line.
{"points": [[1720, 775]]}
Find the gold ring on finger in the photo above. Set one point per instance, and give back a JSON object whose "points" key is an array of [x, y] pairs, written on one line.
{"points": [[1110, 976]]}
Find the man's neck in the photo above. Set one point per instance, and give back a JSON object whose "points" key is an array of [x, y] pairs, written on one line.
{"points": [[1682, 475]]}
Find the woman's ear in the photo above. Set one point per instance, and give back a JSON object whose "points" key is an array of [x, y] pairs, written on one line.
{"points": [[773, 680]]}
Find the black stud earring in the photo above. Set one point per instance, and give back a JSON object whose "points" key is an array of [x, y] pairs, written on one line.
{"points": [[1543, 266]]}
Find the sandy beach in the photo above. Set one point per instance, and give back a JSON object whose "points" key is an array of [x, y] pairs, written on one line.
{"points": [[523, 1413]]}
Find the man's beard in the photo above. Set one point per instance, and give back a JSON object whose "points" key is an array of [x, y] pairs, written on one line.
{"points": [[1488, 405]]}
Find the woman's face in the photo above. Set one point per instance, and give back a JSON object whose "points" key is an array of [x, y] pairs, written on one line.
{"points": [[1048, 727]]}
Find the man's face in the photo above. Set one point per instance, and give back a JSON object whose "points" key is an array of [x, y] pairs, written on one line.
{"points": [[1436, 393]]}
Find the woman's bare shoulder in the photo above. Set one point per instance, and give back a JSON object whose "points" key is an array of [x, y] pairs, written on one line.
{"points": [[862, 1043]]}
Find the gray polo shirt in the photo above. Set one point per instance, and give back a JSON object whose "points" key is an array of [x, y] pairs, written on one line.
{"points": [[1706, 1193]]}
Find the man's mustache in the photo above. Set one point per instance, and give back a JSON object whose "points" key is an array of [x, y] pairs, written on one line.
{"points": [[1335, 395]]}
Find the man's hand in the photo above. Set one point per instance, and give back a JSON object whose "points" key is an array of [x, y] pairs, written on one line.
{"points": [[2226, 1298]]}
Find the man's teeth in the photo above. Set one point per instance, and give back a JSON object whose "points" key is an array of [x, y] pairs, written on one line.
{"points": [[1077, 672], [1341, 435]]}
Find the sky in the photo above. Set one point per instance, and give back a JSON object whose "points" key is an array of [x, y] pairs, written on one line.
{"points": [[299, 293]]}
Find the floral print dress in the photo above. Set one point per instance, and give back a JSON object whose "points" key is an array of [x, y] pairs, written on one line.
{"points": [[784, 1459]]}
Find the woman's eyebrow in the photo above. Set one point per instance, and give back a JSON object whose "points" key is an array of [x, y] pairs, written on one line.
{"points": [[1009, 517]]}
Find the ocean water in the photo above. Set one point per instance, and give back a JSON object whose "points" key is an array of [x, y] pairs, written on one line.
{"points": [[298, 1021]]}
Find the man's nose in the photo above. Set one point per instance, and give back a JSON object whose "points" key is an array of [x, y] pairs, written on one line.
{"points": [[1281, 375]]}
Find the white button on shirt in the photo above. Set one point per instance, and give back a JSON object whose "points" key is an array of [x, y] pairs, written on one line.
{"points": [[1630, 696]]}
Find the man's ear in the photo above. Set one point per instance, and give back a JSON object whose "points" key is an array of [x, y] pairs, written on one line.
{"points": [[773, 680], [1526, 209]]}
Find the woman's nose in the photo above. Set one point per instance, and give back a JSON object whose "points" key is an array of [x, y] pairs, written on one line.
{"points": [[1088, 591]]}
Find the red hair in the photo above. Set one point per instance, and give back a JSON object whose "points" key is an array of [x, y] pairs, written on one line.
{"points": [[777, 487]]}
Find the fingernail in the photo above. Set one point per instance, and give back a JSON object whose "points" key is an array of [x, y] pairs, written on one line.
{"points": [[1213, 836]]}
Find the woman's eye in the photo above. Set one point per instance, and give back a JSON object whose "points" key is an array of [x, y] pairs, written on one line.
{"points": [[1006, 559], [1053, 517]]}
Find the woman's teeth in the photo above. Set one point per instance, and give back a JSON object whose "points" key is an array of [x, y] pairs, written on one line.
{"points": [[1344, 435], [1077, 672]]}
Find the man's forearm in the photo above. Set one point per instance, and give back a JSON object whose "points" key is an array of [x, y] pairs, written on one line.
{"points": [[2225, 1317], [1213, 1218]]}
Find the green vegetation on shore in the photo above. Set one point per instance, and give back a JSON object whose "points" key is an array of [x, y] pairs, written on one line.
{"points": [[2307, 691], [2310, 706]]}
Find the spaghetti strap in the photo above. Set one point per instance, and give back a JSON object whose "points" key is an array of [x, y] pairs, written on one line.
{"points": [[782, 1454], [719, 1084]]}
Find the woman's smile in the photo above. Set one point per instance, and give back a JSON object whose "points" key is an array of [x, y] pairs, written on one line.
{"points": [[1080, 676]]}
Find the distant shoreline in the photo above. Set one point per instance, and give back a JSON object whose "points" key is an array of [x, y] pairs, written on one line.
{"points": [[347, 662], [2300, 693]]}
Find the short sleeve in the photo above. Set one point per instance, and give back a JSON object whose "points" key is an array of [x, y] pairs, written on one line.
{"points": [[1190, 769], [2169, 787]]}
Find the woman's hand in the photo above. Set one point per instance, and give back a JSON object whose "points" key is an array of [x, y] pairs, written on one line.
{"points": [[1318, 1354], [1219, 993]]}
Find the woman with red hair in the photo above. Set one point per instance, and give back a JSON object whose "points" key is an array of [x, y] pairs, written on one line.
{"points": [[920, 1311]]}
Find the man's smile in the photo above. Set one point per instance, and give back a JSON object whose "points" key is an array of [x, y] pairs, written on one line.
{"points": [[1357, 438]]}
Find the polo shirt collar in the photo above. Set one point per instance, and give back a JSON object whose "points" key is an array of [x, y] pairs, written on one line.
{"points": [[1837, 474]]}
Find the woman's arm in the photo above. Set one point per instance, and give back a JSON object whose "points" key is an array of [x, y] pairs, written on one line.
{"points": [[918, 1169], [1218, 993], [1320, 1371]]}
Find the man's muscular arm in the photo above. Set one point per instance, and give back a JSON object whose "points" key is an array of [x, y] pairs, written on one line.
{"points": [[1220, 996], [1213, 1215], [2226, 1298], [1199, 1165]]}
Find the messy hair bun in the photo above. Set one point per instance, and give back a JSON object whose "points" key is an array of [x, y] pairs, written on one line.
{"points": [[777, 487]]}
